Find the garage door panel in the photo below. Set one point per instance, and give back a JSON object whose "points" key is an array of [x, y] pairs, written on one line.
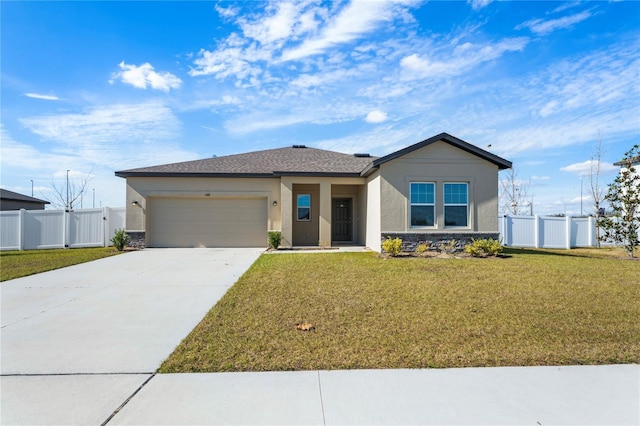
{"points": [[208, 222]]}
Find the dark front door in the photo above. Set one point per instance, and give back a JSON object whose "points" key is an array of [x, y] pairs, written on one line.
{"points": [[341, 220]]}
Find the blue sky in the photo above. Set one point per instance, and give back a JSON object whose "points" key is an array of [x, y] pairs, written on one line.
{"points": [[95, 87]]}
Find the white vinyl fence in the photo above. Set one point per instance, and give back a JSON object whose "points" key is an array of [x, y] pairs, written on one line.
{"points": [[547, 231], [44, 229]]}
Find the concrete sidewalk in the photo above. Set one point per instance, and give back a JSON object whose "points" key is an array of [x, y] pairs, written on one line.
{"points": [[573, 395], [581, 395]]}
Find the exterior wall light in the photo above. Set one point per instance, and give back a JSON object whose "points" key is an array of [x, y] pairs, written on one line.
{"points": [[134, 203], [275, 203]]}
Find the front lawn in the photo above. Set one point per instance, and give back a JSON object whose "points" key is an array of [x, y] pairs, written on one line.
{"points": [[532, 308], [16, 264]]}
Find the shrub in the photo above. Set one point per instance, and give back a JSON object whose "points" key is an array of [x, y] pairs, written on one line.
{"points": [[484, 247], [421, 248], [451, 246], [393, 247], [120, 239], [275, 238]]}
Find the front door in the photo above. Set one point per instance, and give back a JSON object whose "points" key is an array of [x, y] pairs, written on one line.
{"points": [[341, 220]]}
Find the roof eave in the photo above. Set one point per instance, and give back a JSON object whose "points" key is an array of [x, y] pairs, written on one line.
{"points": [[126, 174], [21, 200], [319, 174], [275, 174], [452, 140]]}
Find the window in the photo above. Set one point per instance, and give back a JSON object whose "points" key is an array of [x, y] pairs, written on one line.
{"points": [[456, 202], [423, 204], [304, 207]]}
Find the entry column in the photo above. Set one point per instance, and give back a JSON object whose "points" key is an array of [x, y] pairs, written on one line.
{"points": [[325, 213], [286, 207]]}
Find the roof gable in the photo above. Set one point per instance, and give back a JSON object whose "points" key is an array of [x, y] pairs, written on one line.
{"points": [[447, 138]]}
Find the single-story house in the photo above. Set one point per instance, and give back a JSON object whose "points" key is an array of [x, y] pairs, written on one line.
{"points": [[440, 188], [10, 200], [627, 164]]}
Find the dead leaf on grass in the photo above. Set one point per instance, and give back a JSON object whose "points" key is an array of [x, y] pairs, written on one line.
{"points": [[304, 326]]}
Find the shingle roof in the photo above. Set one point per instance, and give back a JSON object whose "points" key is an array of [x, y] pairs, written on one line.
{"points": [[633, 161], [271, 162], [14, 196], [298, 160]]}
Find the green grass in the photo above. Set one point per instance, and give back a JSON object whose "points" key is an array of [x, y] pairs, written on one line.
{"points": [[532, 308], [16, 264]]}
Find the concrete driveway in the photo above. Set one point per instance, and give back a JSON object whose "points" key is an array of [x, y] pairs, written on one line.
{"points": [[78, 341]]}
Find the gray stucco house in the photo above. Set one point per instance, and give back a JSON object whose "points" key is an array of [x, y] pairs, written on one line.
{"points": [[441, 187], [10, 200]]}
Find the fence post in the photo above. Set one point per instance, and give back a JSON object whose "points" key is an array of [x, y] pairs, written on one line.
{"points": [[536, 231], [503, 233], [567, 231], [65, 228], [105, 225], [21, 229]]}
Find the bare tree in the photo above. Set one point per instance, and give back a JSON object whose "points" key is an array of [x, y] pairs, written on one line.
{"points": [[68, 193], [514, 194], [597, 192]]}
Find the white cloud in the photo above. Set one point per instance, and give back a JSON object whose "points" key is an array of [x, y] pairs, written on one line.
{"points": [[144, 76], [585, 168], [293, 32], [428, 68], [228, 12], [295, 110], [43, 97], [280, 25], [478, 4], [325, 78], [230, 61], [355, 20], [593, 82], [548, 108], [464, 57], [111, 135], [22, 156], [99, 139], [376, 117], [566, 6], [544, 27], [380, 140]]}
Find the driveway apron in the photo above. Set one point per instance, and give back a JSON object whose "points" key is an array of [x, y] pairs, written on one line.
{"points": [[97, 331]]}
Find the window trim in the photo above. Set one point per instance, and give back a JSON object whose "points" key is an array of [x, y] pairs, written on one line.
{"points": [[445, 205], [432, 205], [298, 207]]}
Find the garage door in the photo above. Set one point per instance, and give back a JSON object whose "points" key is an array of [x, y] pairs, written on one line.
{"points": [[207, 222]]}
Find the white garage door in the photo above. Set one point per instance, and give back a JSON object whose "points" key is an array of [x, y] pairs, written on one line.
{"points": [[207, 222]]}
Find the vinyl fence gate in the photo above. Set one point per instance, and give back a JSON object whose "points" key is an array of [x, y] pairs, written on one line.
{"points": [[45, 229], [547, 231]]}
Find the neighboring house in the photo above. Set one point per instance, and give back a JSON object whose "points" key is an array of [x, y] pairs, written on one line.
{"points": [[10, 200], [440, 188], [633, 162]]}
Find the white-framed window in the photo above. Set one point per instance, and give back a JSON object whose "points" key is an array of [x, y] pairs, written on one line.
{"points": [[456, 204], [304, 207], [422, 204]]}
